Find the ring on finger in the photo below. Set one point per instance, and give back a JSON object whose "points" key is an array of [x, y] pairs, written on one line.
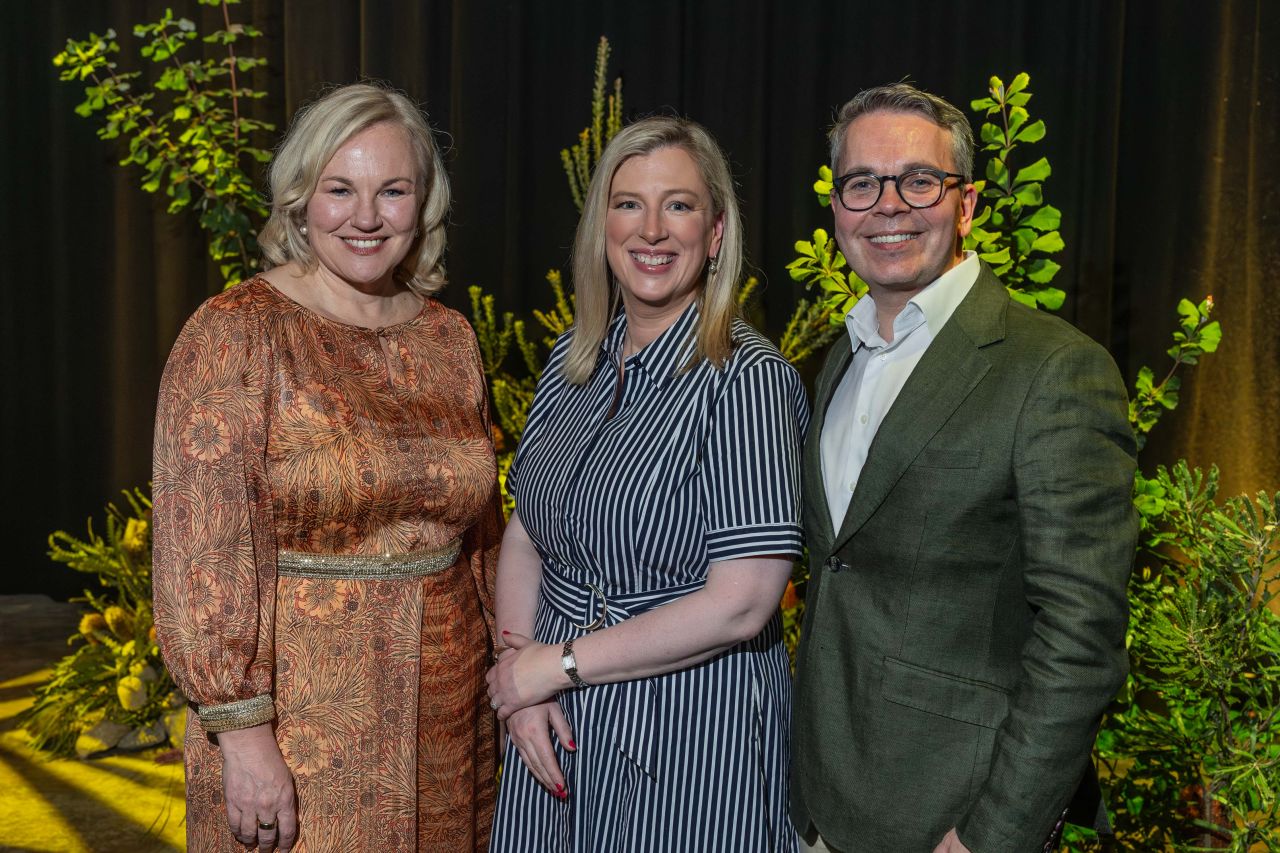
{"points": [[266, 826]]}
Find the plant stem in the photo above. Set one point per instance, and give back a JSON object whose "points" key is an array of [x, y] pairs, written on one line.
{"points": [[231, 66]]}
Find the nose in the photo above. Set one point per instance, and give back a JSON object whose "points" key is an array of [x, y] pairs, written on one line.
{"points": [[366, 216], [653, 228], [890, 202]]}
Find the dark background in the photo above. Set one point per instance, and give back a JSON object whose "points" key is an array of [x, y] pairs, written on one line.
{"points": [[1164, 135]]}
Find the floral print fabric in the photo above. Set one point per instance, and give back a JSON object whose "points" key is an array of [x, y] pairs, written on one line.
{"points": [[279, 429]]}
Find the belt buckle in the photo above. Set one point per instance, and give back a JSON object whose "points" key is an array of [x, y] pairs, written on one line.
{"points": [[604, 609]]}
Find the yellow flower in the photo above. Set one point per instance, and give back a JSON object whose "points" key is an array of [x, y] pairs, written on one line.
{"points": [[136, 535], [90, 623], [119, 621], [131, 692], [143, 670]]}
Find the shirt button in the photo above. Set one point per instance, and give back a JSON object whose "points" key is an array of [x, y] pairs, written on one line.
{"points": [[853, 485], [863, 418], [883, 357], [834, 565]]}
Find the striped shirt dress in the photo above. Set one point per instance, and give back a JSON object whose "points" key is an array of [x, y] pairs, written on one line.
{"points": [[693, 467]]}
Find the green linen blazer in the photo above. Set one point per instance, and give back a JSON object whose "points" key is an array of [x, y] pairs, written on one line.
{"points": [[965, 625]]}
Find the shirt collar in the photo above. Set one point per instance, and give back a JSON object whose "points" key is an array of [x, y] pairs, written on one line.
{"points": [[664, 355], [932, 306]]}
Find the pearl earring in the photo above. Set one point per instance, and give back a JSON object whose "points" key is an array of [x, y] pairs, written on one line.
{"points": [[303, 230]]}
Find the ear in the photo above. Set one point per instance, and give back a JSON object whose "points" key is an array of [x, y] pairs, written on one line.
{"points": [[717, 235], [968, 204]]}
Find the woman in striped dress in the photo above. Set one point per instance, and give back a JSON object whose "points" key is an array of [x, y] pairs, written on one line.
{"points": [[645, 687]]}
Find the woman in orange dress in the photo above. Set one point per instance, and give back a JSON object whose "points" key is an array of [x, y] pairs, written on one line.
{"points": [[327, 515]]}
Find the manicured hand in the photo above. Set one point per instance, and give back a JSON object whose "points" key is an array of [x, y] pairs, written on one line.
{"points": [[258, 788], [527, 673], [529, 729], [951, 844]]}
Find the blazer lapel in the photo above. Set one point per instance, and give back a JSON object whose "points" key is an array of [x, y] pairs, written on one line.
{"points": [[947, 372], [815, 493]]}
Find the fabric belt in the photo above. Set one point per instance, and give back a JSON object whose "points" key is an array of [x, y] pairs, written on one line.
{"points": [[428, 561], [630, 707]]}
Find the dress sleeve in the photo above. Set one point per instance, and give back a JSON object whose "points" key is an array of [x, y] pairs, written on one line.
{"points": [[215, 550], [481, 541], [751, 464]]}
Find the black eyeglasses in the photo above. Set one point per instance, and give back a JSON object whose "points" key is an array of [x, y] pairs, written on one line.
{"points": [[860, 191]]}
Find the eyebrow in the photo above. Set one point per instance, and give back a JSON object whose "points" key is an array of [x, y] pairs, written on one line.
{"points": [[910, 167], [667, 194], [338, 179]]}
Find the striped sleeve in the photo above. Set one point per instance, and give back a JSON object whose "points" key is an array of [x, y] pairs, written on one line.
{"points": [[751, 465]]}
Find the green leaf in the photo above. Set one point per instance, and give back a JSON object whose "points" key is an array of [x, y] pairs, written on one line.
{"points": [[1018, 83], [1029, 194], [1046, 218], [1033, 132], [1050, 242], [996, 171], [996, 258], [1017, 118], [1042, 270], [1037, 171], [1020, 99], [1189, 313], [1022, 298], [1210, 336], [982, 104], [1050, 297]]}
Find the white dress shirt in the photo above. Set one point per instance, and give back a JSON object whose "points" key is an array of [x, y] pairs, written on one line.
{"points": [[877, 373]]}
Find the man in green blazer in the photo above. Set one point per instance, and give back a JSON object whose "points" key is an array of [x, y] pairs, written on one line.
{"points": [[968, 476]]}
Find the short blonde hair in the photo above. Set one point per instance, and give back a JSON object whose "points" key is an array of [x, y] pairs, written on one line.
{"points": [[315, 135], [595, 293]]}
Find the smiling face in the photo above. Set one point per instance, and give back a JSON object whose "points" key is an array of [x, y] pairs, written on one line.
{"points": [[660, 230], [363, 215], [893, 246]]}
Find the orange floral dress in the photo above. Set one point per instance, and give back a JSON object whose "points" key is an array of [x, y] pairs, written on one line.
{"points": [[281, 434]]}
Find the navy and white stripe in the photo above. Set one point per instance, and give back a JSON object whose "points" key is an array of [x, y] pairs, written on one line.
{"points": [[695, 467]]}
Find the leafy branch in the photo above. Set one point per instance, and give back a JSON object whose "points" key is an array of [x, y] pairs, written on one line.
{"points": [[1015, 230], [194, 144]]}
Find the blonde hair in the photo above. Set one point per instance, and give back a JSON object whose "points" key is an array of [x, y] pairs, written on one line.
{"points": [[315, 135], [596, 294]]}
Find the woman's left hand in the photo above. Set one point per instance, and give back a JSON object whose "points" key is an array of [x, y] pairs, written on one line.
{"points": [[527, 673]]}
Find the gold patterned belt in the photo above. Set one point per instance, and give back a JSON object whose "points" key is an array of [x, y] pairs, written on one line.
{"points": [[428, 561]]}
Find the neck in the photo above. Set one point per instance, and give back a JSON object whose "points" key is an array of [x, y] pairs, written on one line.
{"points": [[889, 304], [645, 323], [369, 304]]}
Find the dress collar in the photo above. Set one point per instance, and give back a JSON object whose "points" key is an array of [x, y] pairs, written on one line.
{"points": [[665, 355]]}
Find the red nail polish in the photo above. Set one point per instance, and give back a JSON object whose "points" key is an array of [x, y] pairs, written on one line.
{"points": [[572, 745], [504, 633], [559, 789]]}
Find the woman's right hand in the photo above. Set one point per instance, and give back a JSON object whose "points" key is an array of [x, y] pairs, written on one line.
{"points": [[530, 730], [259, 788]]}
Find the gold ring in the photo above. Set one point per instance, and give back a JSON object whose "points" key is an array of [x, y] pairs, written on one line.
{"points": [[604, 610], [266, 826]]}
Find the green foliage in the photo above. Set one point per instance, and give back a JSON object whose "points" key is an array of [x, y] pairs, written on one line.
{"points": [[114, 672], [1196, 336], [1190, 752], [1015, 230], [579, 160], [185, 130]]}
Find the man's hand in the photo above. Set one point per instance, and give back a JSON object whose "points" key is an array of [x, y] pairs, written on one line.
{"points": [[950, 843]]}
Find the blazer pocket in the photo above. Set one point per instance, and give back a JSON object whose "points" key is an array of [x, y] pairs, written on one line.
{"points": [[944, 695], [939, 458]]}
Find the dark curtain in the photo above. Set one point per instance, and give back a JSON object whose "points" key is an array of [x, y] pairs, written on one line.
{"points": [[1163, 124]]}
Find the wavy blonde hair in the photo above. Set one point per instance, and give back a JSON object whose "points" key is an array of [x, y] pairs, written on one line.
{"points": [[596, 293], [315, 135]]}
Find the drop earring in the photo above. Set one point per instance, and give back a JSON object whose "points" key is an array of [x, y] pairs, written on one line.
{"points": [[713, 264]]}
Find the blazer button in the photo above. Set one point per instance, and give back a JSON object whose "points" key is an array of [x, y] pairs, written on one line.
{"points": [[834, 564]]}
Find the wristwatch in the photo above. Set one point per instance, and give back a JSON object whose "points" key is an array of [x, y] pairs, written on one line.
{"points": [[570, 664]]}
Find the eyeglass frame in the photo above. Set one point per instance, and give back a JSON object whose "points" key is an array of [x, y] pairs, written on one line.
{"points": [[837, 187]]}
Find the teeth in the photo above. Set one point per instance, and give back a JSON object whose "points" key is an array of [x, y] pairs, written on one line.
{"points": [[362, 244], [653, 260], [894, 238]]}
